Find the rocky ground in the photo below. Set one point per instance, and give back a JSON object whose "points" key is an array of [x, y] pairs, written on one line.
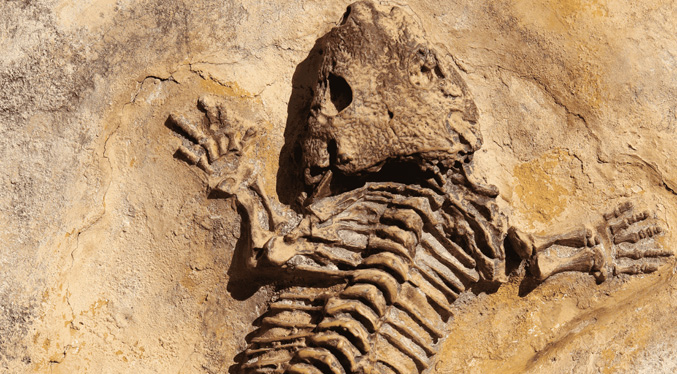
{"points": [[114, 259]]}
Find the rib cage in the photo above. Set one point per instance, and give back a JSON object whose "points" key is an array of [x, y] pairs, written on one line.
{"points": [[406, 253], [283, 329]]}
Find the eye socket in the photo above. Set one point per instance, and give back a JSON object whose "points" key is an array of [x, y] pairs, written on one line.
{"points": [[339, 91]]}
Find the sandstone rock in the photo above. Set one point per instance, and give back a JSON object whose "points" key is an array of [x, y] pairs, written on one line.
{"points": [[114, 259]]}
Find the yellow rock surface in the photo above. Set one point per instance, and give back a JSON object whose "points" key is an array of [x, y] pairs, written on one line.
{"points": [[114, 260]]}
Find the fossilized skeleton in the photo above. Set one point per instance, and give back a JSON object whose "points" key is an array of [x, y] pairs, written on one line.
{"points": [[393, 222]]}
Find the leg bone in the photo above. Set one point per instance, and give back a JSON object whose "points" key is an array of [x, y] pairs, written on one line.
{"points": [[547, 264]]}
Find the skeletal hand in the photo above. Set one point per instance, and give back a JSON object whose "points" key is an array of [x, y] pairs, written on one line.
{"points": [[622, 242], [216, 144], [633, 248]]}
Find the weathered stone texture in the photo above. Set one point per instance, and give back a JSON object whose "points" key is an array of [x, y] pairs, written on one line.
{"points": [[113, 259]]}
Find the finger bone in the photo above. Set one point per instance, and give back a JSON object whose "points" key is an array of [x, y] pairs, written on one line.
{"points": [[250, 133], [639, 235], [192, 153], [212, 148], [203, 163], [222, 141], [624, 224], [638, 253], [622, 208], [208, 104], [190, 129], [635, 269]]}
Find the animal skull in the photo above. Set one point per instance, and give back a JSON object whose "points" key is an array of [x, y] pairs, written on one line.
{"points": [[385, 95]]}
